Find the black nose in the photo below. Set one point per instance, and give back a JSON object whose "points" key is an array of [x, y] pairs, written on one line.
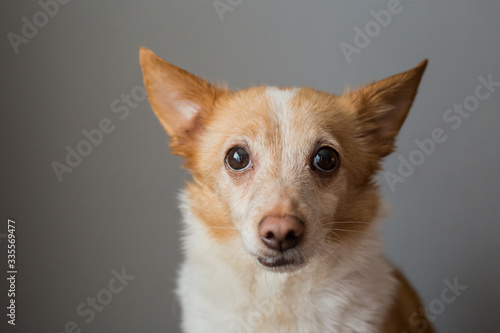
{"points": [[281, 233]]}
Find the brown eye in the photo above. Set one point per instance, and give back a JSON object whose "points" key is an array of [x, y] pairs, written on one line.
{"points": [[237, 158], [326, 159]]}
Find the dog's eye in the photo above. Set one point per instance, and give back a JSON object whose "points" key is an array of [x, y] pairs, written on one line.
{"points": [[326, 159], [237, 158]]}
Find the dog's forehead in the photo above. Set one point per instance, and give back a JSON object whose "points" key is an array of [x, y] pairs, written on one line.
{"points": [[298, 124], [270, 114]]}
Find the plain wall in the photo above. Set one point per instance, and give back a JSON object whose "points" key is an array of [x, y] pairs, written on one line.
{"points": [[118, 208]]}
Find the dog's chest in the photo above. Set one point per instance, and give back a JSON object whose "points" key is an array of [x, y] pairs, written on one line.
{"points": [[224, 301]]}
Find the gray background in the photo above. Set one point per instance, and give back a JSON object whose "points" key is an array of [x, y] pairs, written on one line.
{"points": [[118, 207]]}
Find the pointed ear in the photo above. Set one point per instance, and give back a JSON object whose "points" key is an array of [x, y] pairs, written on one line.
{"points": [[383, 106], [179, 99]]}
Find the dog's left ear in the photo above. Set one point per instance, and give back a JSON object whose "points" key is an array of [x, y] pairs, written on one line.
{"points": [[179, 99], [383, 106]]}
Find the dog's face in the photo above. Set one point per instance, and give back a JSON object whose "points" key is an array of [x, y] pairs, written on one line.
{"points": [[287, 171]]}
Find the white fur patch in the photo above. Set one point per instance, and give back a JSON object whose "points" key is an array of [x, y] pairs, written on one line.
{"points": [[222, 289], [280, 105]]}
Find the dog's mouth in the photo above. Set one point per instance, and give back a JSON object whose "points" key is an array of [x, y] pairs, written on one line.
{"points": [[275, 262], [280, 263]]}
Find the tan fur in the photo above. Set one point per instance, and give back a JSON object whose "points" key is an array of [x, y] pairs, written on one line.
{"points": [[204, 121], [211, 211], [405, 309]]}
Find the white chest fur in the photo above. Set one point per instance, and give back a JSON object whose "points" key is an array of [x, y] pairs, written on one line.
{"points": [[222, 290]]}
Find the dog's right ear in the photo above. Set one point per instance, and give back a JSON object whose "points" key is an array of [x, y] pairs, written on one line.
{"points": [[179, 99]]}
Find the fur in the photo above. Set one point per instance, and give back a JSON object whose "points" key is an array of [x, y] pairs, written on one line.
{"points": [[336, 279]]}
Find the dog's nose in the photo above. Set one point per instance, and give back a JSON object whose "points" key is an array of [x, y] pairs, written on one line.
{"points": [[281, 233]]}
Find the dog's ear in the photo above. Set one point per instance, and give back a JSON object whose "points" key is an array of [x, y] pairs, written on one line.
{"points": [[179, 99], [383, 106]]}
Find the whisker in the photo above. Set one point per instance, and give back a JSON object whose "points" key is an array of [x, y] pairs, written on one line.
{"points": [[358, 231], [331, 250], [347, 222], [335, 253], [234, 254], [337, 236]]}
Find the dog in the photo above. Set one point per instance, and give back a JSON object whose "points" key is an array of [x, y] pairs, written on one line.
{"points": [[281, 215]]}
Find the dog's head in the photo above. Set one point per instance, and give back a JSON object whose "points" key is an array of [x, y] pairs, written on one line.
{"points": [[289, 171]]}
